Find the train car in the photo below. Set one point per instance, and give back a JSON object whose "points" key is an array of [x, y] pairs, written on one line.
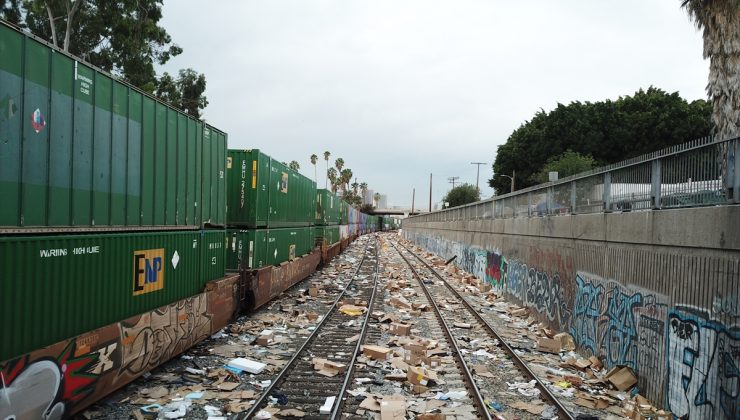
{"points": [[264, 193], [329, 208], [82, 151]]}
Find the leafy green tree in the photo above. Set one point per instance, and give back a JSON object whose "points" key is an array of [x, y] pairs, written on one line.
{"points": [[462, 194], [294, 165], [185, 92], [122, 37], [609, 131], [567, 164]]}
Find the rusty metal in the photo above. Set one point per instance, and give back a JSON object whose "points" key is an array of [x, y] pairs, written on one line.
{"points": [[263, 285], [467, 375], [545, 392]]}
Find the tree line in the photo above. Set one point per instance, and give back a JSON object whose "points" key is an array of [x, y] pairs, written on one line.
{"points": [[122, 37]]}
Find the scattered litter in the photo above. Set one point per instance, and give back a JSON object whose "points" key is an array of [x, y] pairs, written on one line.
{"points": [[328, 404], [251, 366]]}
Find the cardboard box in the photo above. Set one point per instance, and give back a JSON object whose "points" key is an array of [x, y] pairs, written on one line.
{"points": [[621, 377], [595, 363], [376, 352], [313, 291], [421, 376], [399, 303], [418, 389], [393, 407], [328, 368], [266, 338], [412, 358], [548, 345], [566, 341], [431, 416], [398, 328], [433, 361]]}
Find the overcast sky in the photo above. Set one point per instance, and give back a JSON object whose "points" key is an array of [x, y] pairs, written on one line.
{"points": [[401, 89]]}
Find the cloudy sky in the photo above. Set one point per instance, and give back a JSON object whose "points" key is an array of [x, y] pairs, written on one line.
{"points": [[404, 88]]}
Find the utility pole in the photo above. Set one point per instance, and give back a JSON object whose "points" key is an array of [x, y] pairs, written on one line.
{"points": [[430, 193], [478, 174], [413, 196], [452, 180]]}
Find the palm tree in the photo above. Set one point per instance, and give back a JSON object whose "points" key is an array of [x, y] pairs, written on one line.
{"points": [[376, 198], [354, 187], [339, 163], [720, 20], [331, 174], [314, 159], [345, 177], [326, 158], [294, 165], [363, 189]]}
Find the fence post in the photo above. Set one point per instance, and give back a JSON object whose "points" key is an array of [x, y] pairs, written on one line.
{"points": [[655, 184], [572, 197], [733, 171], [549, 200], [607, 193], [529, 204]]}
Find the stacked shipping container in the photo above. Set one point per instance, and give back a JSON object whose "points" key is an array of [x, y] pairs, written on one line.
{"points": [[124, 188], [271, 209]]}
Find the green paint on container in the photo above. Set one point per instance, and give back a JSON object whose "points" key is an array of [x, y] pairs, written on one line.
{"points": [[56, 287]]}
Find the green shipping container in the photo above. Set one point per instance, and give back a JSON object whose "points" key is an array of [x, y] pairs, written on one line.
{"points": [[263, 192], [326, 235], [255, 248], [287, 244], [328, 208], [55, 287], [246, 249], [81, 150]]}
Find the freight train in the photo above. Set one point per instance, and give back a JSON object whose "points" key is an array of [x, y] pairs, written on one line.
{"points": [[129, 231]]}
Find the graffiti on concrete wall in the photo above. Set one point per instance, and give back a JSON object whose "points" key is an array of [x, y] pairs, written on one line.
{"points": [[703, 365], [537, 289], [616, 321], [691, 355], [56, 381]]}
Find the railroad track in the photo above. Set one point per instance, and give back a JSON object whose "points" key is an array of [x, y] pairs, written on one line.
{"points": [[478, 327], [298, 382]]}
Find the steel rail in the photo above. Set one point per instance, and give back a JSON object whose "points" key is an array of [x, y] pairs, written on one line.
{"points": [[351, 368], [291, 363], [467, 375], [515, 358]]}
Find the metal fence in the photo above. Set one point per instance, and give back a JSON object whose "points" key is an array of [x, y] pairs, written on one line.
{"points": [[703, 172]]}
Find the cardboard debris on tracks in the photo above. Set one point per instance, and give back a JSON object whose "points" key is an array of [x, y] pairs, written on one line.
{"points": [[399, 328], [393, 407], [566, 341], [399, 302], [376, 352], [327, 367], [548, 345], [421, 376], [621, 377], [266, 338]]}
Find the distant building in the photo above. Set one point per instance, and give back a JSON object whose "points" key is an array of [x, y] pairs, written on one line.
{"points": [[383, 202], [368, 198]]}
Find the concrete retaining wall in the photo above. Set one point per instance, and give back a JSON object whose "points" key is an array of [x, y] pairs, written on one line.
{"points": [[658, 291]]}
